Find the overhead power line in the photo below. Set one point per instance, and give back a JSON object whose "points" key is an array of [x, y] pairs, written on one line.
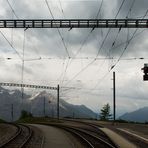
{"points": [[96, 59], [120, 8], [126, 46], [82, 44], [6, 37], [10, 44], [131, 7], [87, 37], [12, 9], [77, 58], [134, 58], [56, 26], [99, 11], [128, 42], [100, 46], [114, 42], [61, 8]]}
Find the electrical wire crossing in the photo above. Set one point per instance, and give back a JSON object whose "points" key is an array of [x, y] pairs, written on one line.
{"points": [[73, 23]]}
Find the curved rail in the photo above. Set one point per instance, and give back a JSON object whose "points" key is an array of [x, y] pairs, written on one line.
{"points": [[28, 137], [19, 130], [90, 139], [20, 139], [87, 142], [100, 133], [96, 137]]}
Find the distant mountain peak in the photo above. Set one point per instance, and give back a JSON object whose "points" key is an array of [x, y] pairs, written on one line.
{"points": [[40, 104], [140, 115]]}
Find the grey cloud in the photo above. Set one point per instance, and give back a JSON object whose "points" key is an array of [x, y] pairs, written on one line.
{"points": [[26, 69], [139, 8], [46, 43], [83, 9]]}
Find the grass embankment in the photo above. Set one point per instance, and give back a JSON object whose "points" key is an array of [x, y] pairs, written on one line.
{"points": [[2, 121], [34, 120], [27, 117]]}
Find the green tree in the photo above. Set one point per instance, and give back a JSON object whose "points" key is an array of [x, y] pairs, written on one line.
{"points": [[25, 114], [105, 112]]}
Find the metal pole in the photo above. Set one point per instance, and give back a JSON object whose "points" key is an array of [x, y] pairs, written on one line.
{"points": [[52, 112], [12, 112], [114, 97], [44, 106], [58, 98]]}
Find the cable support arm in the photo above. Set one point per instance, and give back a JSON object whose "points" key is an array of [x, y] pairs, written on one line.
{"points": [[74, 23], [27, 86]]}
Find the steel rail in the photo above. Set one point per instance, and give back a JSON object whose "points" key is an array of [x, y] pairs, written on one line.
{"points": [[79, 135], [28, 137], [16, 137], [98, 138], [99, 132], [19, 130], [66, 128], [78, 132], [95, 137]]}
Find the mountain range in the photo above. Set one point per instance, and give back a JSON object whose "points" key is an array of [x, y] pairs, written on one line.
{"points": [[140, 115], [41, 104]]}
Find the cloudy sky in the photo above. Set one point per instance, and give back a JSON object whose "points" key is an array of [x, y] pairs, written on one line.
{"points": [[82, 79]]}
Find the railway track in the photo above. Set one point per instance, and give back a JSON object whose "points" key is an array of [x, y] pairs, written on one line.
{"points": [[94, 130], [20, 138], [89, 138]]}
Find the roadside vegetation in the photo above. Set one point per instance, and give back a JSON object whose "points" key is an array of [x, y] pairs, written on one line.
{"points": [[25, 114], [27, 117], [2, 121], [105, 114]]}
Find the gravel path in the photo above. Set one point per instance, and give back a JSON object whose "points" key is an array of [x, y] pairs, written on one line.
{"points": [[58, 138]]}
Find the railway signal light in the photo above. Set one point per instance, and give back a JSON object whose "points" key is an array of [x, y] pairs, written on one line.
{"points": [[145, 70]]}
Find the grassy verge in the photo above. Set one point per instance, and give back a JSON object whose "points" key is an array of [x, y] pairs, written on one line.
{"points": [[2, 121], [33, 120]]}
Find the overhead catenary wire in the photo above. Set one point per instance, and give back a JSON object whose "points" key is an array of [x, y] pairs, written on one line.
{"points": [[99, 48], [79, 58], [133, 2], [61, 75], [99, 11], [65, 72], [84, 41], [126, 46], [87, 37], [120, 8], [106, 74], [10, 44], [114, 42], [78, 51], [12, 9], [96, 59], [62, 39], [62, 10]]}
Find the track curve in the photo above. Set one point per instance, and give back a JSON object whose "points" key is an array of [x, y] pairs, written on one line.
{"points": [[22, 136]]}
